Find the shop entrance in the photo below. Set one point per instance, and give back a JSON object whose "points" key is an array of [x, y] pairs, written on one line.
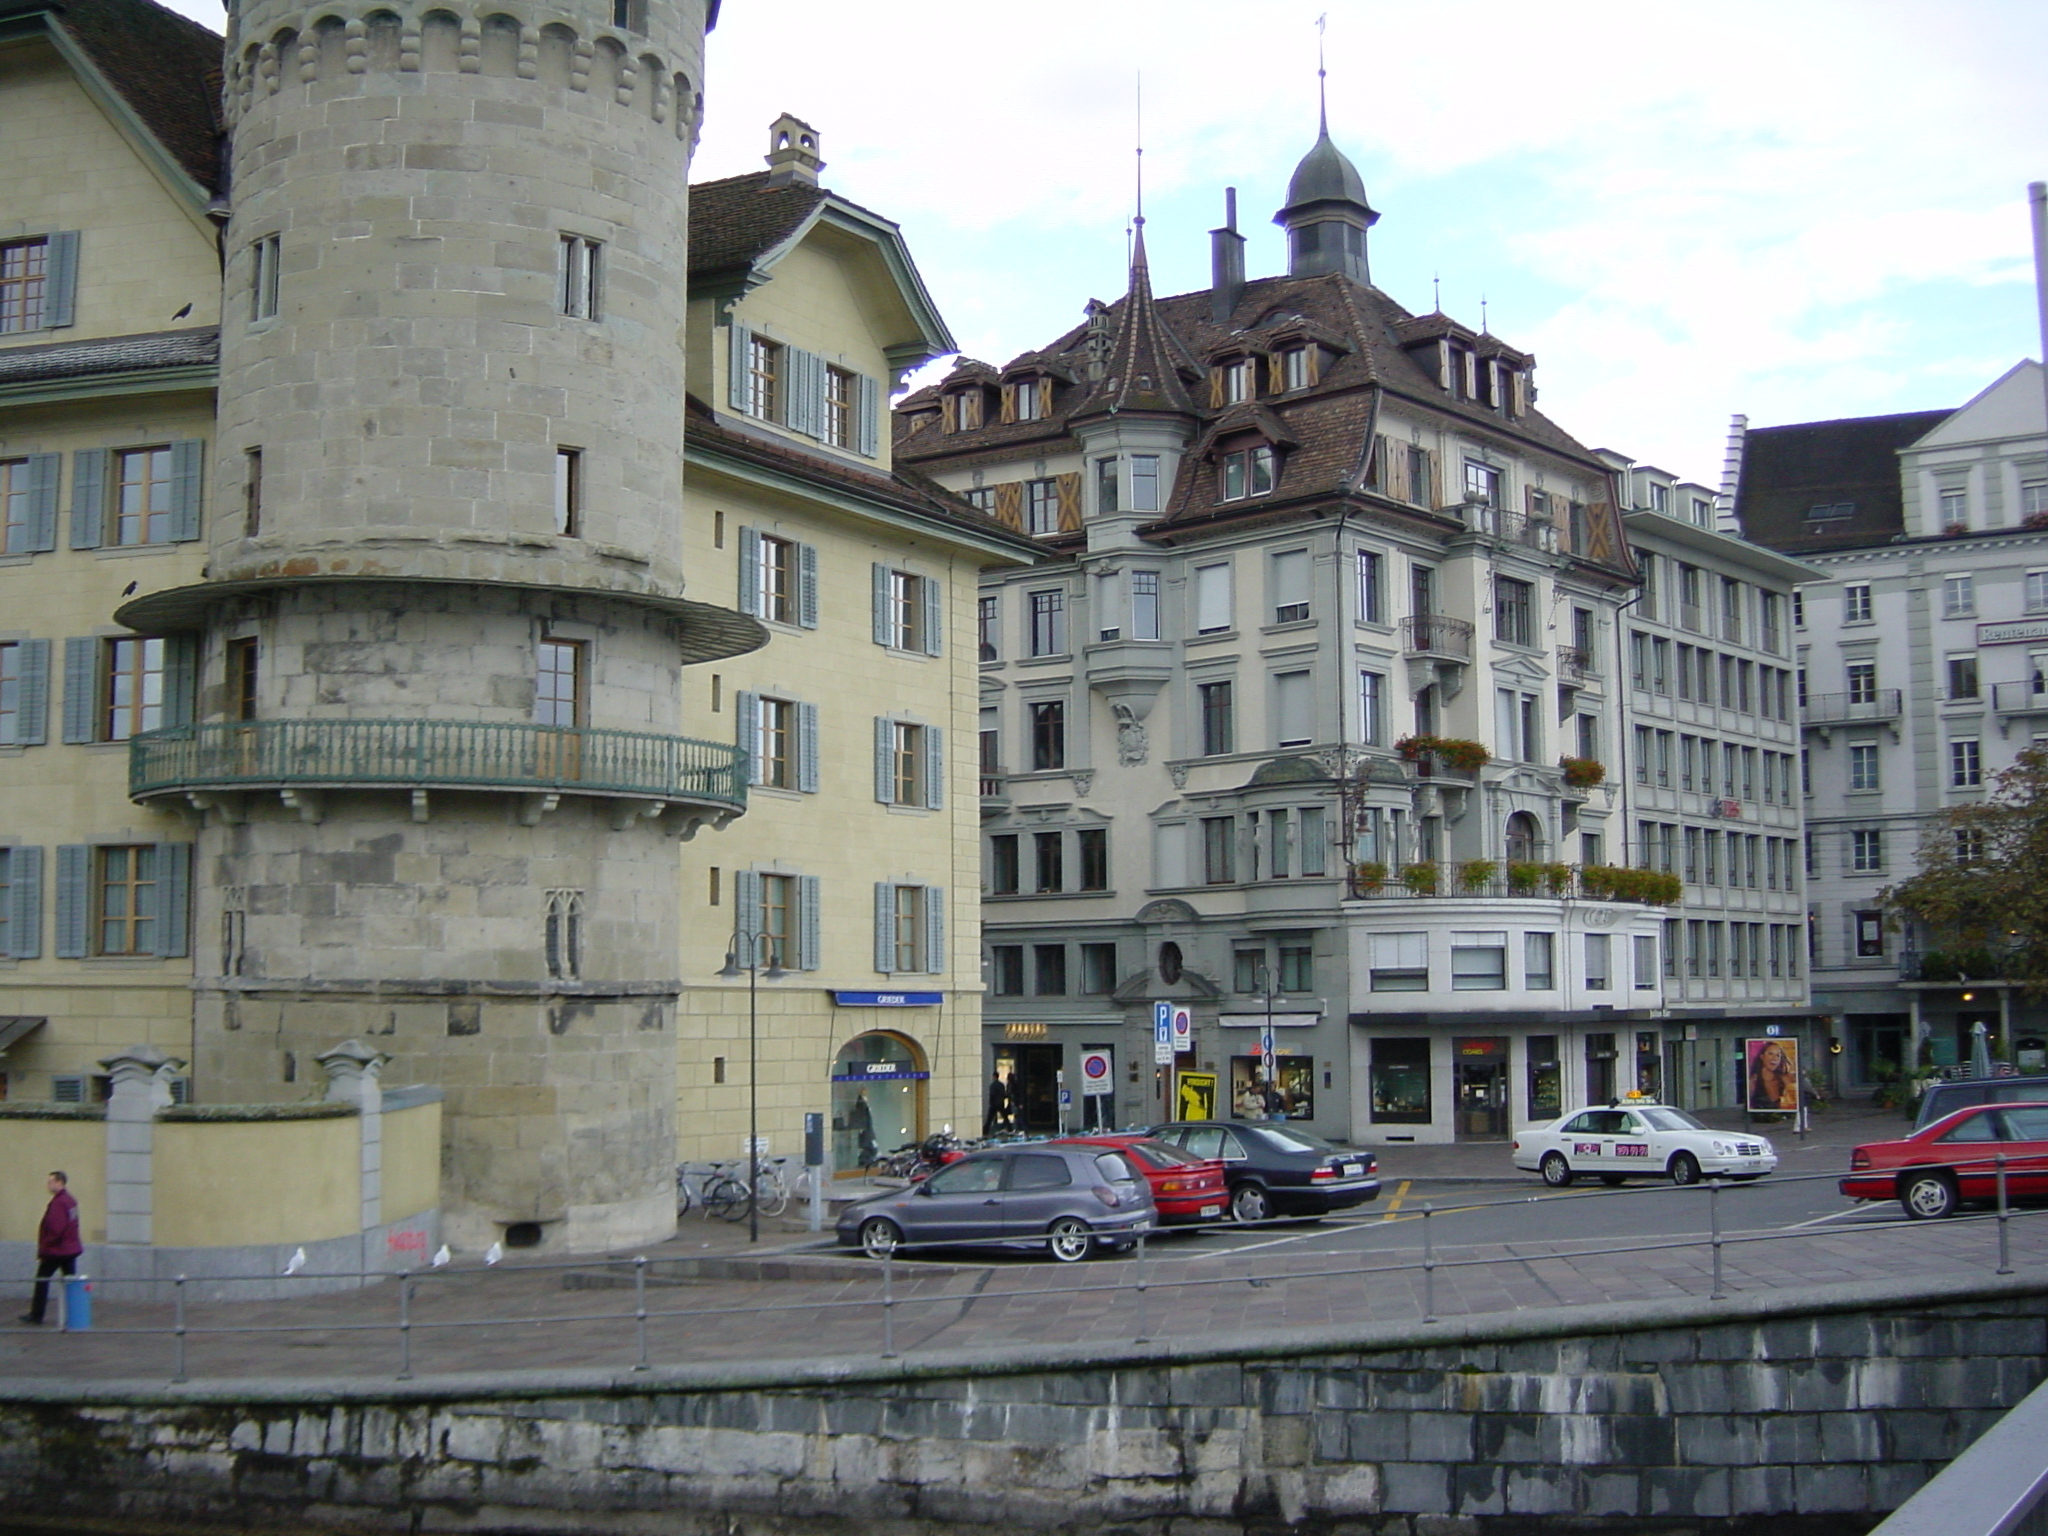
{"points": [[1032, 1073], [1482, 1068], [878, 1099]]}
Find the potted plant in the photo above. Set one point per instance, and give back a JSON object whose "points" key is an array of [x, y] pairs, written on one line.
{"points": [[1368, 878], [1420, 879], [1597, 881], [1582, 772], [1466, 756], [1476, 874], [1524, 877], [1558, 877], [1955, 530]]}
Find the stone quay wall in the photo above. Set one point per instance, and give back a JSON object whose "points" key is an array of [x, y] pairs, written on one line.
{"points": [[1797, 1412]]}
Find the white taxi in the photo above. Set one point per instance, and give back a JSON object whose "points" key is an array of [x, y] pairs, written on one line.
{"points": [[1633, 1139]]}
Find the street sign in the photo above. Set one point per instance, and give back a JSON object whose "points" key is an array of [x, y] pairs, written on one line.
{"points": [[1183, 1029], [1162, 1034], [1098, 1071]]}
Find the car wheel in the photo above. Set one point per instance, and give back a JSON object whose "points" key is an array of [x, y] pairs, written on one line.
{"points": [[1685, 1168], [1069, 1239], [1611, 1180], [1927, 1195], [1250, 1202], [879, 1237], [1557, 1173]]}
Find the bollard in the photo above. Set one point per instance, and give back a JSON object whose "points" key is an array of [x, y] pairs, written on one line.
{"points": [[1144, 1333], [640, 1307], [2004, 1213], [178, 1329], [889, 1302], [1714, 1223], [1428, 1267], [405, 1325]]}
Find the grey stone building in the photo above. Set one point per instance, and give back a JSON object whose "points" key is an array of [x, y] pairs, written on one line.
{"points": [[1306, 726], [1923, 648]]}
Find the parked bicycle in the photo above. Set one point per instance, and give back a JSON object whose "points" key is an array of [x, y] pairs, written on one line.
{"points": [[915, 1159]]}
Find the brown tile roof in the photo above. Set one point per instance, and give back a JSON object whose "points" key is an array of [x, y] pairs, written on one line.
{"points": [[735, 221], [1142, 367], [165, 66], [905, 489], [1790, 470]]}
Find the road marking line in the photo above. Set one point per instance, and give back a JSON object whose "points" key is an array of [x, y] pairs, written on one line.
{"points": [[1394, 1204]]}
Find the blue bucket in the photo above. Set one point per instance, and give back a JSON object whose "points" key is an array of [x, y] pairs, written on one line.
{"points": [[77, 1305]]}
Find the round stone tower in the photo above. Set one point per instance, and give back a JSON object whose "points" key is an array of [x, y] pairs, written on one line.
{"points": [[433, 732]]}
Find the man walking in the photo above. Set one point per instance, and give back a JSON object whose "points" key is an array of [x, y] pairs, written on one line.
{"points": [[57, 1245]]}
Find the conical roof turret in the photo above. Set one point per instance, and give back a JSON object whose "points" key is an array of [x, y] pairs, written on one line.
{"points": [[1142, 369]]}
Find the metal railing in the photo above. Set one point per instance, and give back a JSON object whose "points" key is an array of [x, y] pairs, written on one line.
{"points": [[1849, 708], [1436, 634], [1574, 664], [461, 754], [1998, 1487], [413, 1317], [1511, 527]]}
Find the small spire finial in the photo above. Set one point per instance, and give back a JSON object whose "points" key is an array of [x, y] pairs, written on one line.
{"points": [[1322, 78], [1138, 132], [1482, 314], [1436, 292]]}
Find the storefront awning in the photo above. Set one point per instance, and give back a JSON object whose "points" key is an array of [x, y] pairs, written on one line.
{"points": [[14, 1025]]}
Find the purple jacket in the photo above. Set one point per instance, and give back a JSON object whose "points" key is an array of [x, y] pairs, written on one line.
{"points": [[58, 1237]]}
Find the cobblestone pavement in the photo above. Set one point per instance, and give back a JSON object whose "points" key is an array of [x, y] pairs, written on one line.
{"points": [[711, 1298]]}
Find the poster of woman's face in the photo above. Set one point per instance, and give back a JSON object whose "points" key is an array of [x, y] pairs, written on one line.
{"points": [[1773, 1074]]}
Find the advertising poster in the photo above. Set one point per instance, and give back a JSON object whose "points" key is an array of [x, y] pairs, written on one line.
{"points": [[1196, 1096], [1773, 1075]]}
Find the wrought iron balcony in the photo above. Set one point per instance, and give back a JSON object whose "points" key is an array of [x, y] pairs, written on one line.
{"points": [[1874, 705], [304, 757], [1575, 664], [1509, 526], [1436, 634]]}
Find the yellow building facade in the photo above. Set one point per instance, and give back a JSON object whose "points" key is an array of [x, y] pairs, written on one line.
{"points": [[855, 874]]}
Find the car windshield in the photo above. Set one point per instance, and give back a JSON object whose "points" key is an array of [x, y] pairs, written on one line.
{"points": [[1670, 1120], [1160, 1155], [1288, 1139]]}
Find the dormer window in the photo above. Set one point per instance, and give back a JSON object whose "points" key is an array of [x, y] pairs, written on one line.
{"points": [[964, 410], [1660, 497], [1233, 381], [1246, 472], [1299, 367], [1027, 399]]}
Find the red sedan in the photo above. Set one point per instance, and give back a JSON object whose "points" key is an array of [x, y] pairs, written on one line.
{"points": [[1936, 1169], [1184, 1187]]}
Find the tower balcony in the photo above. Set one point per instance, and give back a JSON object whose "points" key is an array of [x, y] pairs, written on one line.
{"points": [[219, 766], [1437, 636], [1824, 712]]}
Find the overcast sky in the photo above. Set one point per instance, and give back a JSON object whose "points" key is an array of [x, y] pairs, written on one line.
{"points": [[1795, 209]]}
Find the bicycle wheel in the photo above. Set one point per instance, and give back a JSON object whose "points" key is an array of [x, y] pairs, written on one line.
{"points": [[721, 1195], [684, 1199], [773, 1194], [733, 1201]]}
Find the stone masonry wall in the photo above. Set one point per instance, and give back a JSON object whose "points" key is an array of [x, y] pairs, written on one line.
{"points": [[1796, 1413]]}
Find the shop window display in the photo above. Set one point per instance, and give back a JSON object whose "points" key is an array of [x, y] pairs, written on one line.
{"points": [[878, 1087], [1400, 1081], [1294, 1097]]}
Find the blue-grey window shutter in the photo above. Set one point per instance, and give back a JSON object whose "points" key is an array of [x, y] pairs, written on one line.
{"points": [[186, 459], [738, 379], [181, 679], [32, 720], [42, 469], [807, 748], [173, 896], [81, 687], [750, 571], [796, 391], [747, 706], [746, 902], [24, 903], [810, 923], [74, 899], [935, 929], [934, 635], [885, 629], [885, 927], [88, 497], [885, 760], [807, 586], [866, 411], [935, 767], [61, 295]]}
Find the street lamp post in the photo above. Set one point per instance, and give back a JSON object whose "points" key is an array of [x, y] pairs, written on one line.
{"points": [[748, 942]]}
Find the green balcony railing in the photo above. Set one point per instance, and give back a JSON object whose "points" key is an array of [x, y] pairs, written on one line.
{"points": [[434, 754]]}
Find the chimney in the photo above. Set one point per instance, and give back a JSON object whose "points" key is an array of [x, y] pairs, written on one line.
{"points": [[1226, 263], [793, 153]]}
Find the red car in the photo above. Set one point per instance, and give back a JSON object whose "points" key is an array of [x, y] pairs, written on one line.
{"points": [[1955, 1159], [1184, 1187]]}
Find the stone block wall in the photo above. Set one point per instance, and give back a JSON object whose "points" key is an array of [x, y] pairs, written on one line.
{"points": [[1801, 1413]]}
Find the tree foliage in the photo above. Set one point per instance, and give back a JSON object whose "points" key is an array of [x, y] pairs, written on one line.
{"points": [[1982, 882]]}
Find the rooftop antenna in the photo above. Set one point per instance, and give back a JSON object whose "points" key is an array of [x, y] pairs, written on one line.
{"points": [[1322, 78], [1482, 316], [1436, 292], [1137, 239]]}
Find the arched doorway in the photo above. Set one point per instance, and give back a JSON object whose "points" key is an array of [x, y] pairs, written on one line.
{"points": [[878, 1098], [1524, 839]]}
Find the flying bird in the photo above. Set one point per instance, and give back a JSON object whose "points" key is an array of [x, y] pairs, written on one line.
{"points": [[129, 590], [296, 1262], [181, 314]]}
